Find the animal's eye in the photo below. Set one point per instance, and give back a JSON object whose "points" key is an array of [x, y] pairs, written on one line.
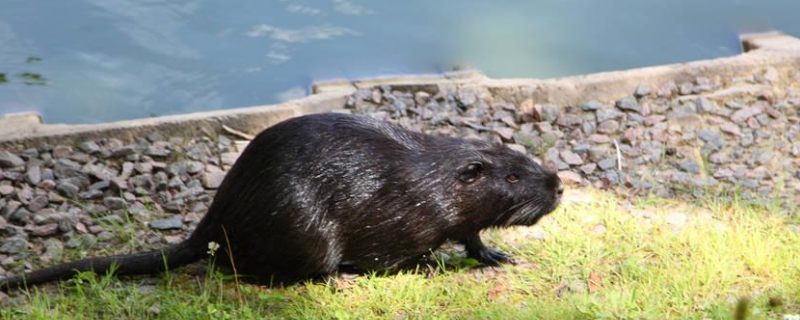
{"points": [[512, 178]]}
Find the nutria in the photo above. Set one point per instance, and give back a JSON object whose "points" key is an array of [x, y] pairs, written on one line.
{"points": [[319, 192]]}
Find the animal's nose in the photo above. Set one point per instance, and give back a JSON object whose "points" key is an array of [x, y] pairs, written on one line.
{"points": [[559, 187]]}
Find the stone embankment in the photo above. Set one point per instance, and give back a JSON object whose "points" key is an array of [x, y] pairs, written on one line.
{"points": [[711, 133]]}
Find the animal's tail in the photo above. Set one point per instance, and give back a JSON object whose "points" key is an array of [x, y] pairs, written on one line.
{"points": [[140, 263]]}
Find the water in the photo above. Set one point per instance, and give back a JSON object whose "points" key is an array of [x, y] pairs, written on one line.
{"points": [[89, 61]]}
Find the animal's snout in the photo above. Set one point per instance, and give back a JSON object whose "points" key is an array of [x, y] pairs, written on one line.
{"points": [[559, 187]]}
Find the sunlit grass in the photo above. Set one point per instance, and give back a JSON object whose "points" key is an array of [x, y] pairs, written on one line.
{"points": [[597, 257]]}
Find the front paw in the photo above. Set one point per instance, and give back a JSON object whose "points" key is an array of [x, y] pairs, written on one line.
{"points": [[493, 257]]}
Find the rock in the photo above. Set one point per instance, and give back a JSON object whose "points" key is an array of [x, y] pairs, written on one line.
{"points": [[48, 216], [641, 91], [608, 127], [38, 203], [746, 139], [100, 185], [571, 158], [118, 184], [513, 146], [189, 192], [543, 127], [505, 133], [689, 166], [99, 171], [686, 88], [550, 112], [193, 167], [466, 95], [773, 113], [53, 250], [606, 164], [172, 240], [653, 120], [68, 190], [33, 175], [127, 170], [588, 126], [65, 168], [10, 160], [745, 113], [758, 173], [569, 120], [723, 173], [155, 136], [719, 158], [167, 224], [6, 189], [713, 140], [667, 90], [61, 151], [591, 106], [682, 111], [47, 174], [589, 168], [598, 153], [704, 105], [633, 136], [20, 216], [44, 230], [157, 152], [730, 128], [24, 194], [14, 245], [144, 182], [629, 104], [122, 151], [606, 114], [599, 139], [105, 236], [89, 147], [680, 177], [114, 203], [763, 157], [570, 178], [213, 179], [143, 167]]}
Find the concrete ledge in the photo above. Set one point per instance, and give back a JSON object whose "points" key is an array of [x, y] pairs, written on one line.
{"points": [[251, 120], [761, 50]]}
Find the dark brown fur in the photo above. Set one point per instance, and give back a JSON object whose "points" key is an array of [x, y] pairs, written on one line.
{"points": [[319, 192]]}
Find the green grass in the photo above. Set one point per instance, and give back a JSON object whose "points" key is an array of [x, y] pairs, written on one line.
{"points": [[599, 259]]}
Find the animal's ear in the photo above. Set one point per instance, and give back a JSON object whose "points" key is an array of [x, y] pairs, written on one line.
{"points": [[470, 172]]}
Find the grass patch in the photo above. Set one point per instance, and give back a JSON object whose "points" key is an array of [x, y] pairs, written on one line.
{"points": [[597, 257]]}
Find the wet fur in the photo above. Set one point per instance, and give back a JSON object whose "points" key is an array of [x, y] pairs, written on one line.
{"points": [[319, 192]]}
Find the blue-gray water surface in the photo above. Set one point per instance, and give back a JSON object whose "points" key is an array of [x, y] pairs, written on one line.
{"points": [[88, 61]]}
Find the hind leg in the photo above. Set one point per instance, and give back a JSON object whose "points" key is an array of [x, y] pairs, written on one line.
{"points": [[271, 255]]}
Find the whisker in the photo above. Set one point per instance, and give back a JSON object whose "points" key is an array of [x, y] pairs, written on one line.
{"points": [[512, 208]]}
